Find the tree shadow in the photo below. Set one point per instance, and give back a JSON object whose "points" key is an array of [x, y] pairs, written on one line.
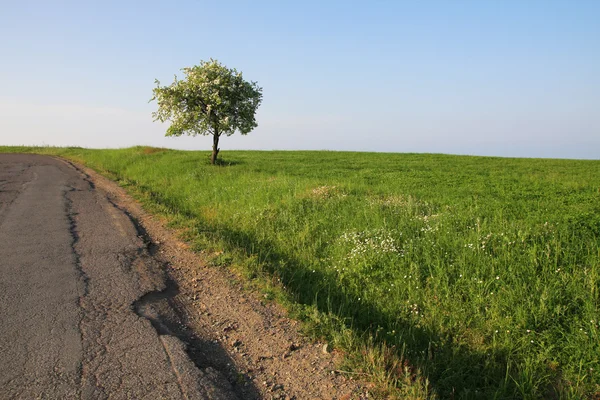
{"points": [[223, 162]]}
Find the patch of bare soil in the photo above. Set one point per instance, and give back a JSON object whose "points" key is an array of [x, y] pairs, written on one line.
{"points": [[230, 329]]}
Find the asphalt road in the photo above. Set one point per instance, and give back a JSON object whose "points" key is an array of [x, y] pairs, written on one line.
{"points": [[72, 269]]}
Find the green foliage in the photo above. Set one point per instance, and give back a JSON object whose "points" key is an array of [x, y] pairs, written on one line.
{"points": [[211, 100], [445, 276]]}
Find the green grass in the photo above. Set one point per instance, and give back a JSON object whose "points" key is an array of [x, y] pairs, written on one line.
{"points": [[444, 276]]}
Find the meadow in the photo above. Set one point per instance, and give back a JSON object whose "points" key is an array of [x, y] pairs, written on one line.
{"points": [[440, 276]]}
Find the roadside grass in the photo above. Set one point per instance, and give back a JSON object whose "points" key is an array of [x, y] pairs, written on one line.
{"points": [[440, 276]]}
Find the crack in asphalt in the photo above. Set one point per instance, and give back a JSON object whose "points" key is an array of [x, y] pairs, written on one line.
{"points": [[70, 213], [160, 308], [74, 268], [127, 260], [83, 282], [163, 326]]}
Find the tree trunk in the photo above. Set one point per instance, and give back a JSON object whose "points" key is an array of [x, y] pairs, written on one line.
{"points": [[215, 152]]}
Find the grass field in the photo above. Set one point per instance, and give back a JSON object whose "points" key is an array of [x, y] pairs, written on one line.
{"points": [[445, 276]]}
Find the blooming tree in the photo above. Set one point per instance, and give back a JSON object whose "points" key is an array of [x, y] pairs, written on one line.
{"points": [[211, 100]]}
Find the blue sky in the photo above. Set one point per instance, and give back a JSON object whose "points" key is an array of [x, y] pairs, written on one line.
{"points": [[508, 78]]}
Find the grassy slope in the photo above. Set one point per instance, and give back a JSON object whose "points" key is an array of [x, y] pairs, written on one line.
{"points": [[471, 276]]}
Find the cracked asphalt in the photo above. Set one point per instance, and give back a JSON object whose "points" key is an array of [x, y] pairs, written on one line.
{"points": [[73, 271]]}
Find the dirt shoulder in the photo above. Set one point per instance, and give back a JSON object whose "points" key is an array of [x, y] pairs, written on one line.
{"points": [[227, 328]]}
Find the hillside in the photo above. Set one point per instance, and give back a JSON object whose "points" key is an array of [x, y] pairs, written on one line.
{"points": [[474, 277]]}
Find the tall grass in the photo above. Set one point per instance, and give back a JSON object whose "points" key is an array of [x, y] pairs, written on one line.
{"points": [[454, 276]]}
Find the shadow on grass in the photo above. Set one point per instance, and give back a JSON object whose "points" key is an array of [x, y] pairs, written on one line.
{"points": [[222, 162]]}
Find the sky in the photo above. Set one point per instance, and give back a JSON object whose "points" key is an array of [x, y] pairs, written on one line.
{"points": [[507, 78]]}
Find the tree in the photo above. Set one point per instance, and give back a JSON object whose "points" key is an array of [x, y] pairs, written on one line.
{"points": [[211, 100]]}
